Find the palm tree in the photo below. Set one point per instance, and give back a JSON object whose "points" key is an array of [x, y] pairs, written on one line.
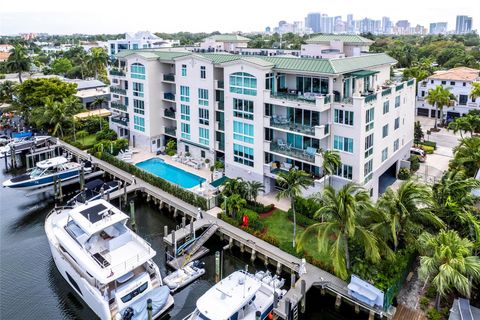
{"points": [[235, 204], [448, 261], [469, 122], [467, 155], [253, 188], [292, 183], [97, 60], [475, 93], [7, 90], [99, 102], [82, 134], [331, 161], [438, 97], [234, 186], [403, 214], [342, 212], [18, 61], [454, 203]]}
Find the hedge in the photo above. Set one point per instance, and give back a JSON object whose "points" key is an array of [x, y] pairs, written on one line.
{"points": [[430, 144], [403, 174], [427, 149], [259, 207], [254, 220], [166, 186], [301, 219]]}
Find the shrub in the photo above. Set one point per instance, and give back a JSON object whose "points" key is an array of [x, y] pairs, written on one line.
{"points": [[253, 220], [229, 220], [430, 144], [259, 207], [2, 76], [424, 302], [427, 149], [306, 206], [433, 314], [107, 134], [171, 148], [219, 165], [431, 292], [301, 219], [403, 174], [414, 163]]}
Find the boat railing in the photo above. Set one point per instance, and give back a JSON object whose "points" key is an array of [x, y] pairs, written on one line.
{"points": [[130, 263], [58, 210]]}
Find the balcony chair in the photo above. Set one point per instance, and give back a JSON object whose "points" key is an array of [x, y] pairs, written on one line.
{"points": [[310, 151]]}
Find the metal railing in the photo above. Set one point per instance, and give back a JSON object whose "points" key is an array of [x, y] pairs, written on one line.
{"points": [[122, 121], [118, 90], [117, 72], [171, 131], [169, 77], [118, 106], [292, 152], [291, 126], [293, 97], [169, 96], [410, 82], [371, 97], [169, 113], [399, 87]]}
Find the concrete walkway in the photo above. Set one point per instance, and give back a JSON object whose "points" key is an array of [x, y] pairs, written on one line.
{"points": [[269, 198]]}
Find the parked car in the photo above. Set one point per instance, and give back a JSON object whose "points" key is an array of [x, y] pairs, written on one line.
{"points": [[422, 156]]}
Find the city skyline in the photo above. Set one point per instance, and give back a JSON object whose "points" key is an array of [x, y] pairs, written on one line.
{"points": [[92, 17]]}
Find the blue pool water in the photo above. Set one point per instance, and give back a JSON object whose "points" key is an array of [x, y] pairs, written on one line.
{"points": [[170, 173]]}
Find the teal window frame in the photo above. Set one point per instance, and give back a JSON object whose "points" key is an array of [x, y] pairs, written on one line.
{"points": [[184, 93], [137, 89], [139, 123], [344, 144], [243, 155], [203, 116], [137, 71], [185, 112], [386, 107], [384, 154], [243, 109], [243, 132], [203, 97], [185, 130], [204, 136], [184, 70], [243, 83], [139, 106]]}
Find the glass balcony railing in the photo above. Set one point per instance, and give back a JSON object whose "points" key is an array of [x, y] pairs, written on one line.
{"points": [[118, 106], [221, 84], [171, 131], [290, 151], [285, 124], [410, 82], [386, 92], [169, 113], [169, 77], [169, 96], [123, 121], [293, 97], [370, 97], [399, 87], [118, 90], [117, 72]]}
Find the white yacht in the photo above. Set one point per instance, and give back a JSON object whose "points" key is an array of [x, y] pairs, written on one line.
{"points": [[25, 143], [107, 264], [239, 296]]}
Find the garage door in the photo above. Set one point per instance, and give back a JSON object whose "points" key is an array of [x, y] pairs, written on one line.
{"points": [[422, 112]]}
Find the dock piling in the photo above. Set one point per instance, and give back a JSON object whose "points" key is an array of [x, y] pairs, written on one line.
{"points": [[165, 230], [174, 242], [288, 308], [60, 191], [192, 232], [82, 178], [279, 267], [132, 214], [102, 193], [303, 291], [292, 280], [258, 315], [275, 300], [217, 266], [184, 222], [149, 309]]}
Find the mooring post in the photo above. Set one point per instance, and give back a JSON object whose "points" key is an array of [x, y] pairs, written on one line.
{"points": [[174, 244], [132, 215], [252, 257], [102, 193], [184, 222], [192, 232], [125, 193], [275, 299], [6, 161], [303, 291], [149, 308], [165, 230], [82, 178], [292, 280], [258, 315], [217, 266], [55, 191], [287, 308], [12, 157], [279, 267], [60, 191]]}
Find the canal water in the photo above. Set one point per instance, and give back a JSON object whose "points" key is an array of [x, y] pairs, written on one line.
{"points": [[32, 288]]}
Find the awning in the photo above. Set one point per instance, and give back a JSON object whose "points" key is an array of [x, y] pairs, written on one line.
{"points": [[361, 73], [94, 113]]}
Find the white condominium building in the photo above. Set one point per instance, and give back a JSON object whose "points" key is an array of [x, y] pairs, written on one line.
{"points": [[459, 81], [139, 40], [261, 115]]}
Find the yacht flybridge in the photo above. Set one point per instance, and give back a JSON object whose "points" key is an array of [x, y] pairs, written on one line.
{"points": [[107, 264]]}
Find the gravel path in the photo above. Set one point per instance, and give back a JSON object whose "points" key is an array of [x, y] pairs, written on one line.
{"points": [[410, 294]]}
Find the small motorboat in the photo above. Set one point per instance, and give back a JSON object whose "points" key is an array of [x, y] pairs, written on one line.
{"points": [[46, 172], [267, 278], [24, 143], [184, 276], [93, 191]]}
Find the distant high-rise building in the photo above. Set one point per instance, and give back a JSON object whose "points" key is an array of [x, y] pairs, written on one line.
{"points": [[463, 25], [350, 24], [367, 25], [268, 30], [386, 25], [403, 24], [313, 21], [438, 28]]}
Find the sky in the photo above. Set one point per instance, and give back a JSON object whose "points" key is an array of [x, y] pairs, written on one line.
{"points": [[119, 16]]}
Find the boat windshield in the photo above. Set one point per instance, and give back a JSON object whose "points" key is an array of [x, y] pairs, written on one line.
{"points": [[135, 293], [37, 172]]}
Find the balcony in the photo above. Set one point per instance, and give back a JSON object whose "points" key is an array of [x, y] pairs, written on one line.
{"points": [[318, 103], [219, 125], [399, 87], [120, 120], [219, 84], [410, 82], [169, 96], [370, 98], [169, 77], [220, 105], [292, 152], [167, 113], [119, 106], [170, 131], [220, 145], [386, 92], [117, 90], [117, 72]]}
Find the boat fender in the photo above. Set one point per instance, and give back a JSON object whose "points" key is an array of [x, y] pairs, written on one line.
{"points": [[128, 314], [270, 315]]}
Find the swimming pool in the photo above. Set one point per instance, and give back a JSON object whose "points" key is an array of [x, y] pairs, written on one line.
{"points": [[158, 167]]}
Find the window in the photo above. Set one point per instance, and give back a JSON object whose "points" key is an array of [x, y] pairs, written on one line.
{"points": [[138, 106], [343, 144], [345, 171], [243, 132], [184, 93], [367, 169], [384, 154], [185, 130], [203, 97], [185, 112], [396, 144], [423, 93], [444, 82], [369, 117], [431, 81], [397, 101], [203, 72], [368, 145], [397, 123], [243, 83], [462, 99], [385, 131], [128, 297], [243, 155], [243, 108], [184, 70], [203, 116], [343, 117], [137, 88], [202, 154], [139, 123], [386, 106], [74, 284], [452, 83], [137, 71], [464, 84], [204, 136], [126, 101]]}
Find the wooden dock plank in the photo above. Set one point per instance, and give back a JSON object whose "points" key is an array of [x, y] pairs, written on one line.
{"points": [[404, 313]]}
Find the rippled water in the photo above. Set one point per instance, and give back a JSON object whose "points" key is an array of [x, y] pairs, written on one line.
{"points": [[32, 288]]}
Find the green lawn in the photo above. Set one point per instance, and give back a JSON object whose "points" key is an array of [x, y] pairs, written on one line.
{"points": [[280, 227], [89, 140]]}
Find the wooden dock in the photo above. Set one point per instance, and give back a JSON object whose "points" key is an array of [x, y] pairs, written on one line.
{"points": [[257, 247], [404, 313]]}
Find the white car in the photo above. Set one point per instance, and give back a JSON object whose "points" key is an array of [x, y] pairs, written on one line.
{"points": [[422, 156]]}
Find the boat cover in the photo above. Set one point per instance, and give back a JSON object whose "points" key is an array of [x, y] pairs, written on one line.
{"points": [[159, 298]]}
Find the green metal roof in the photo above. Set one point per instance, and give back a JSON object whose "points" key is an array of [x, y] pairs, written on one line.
{"points": [[301, 64], [365, 61], [228, 37], [218, 58], [150, 54], [347, 38], [362, 73]]}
